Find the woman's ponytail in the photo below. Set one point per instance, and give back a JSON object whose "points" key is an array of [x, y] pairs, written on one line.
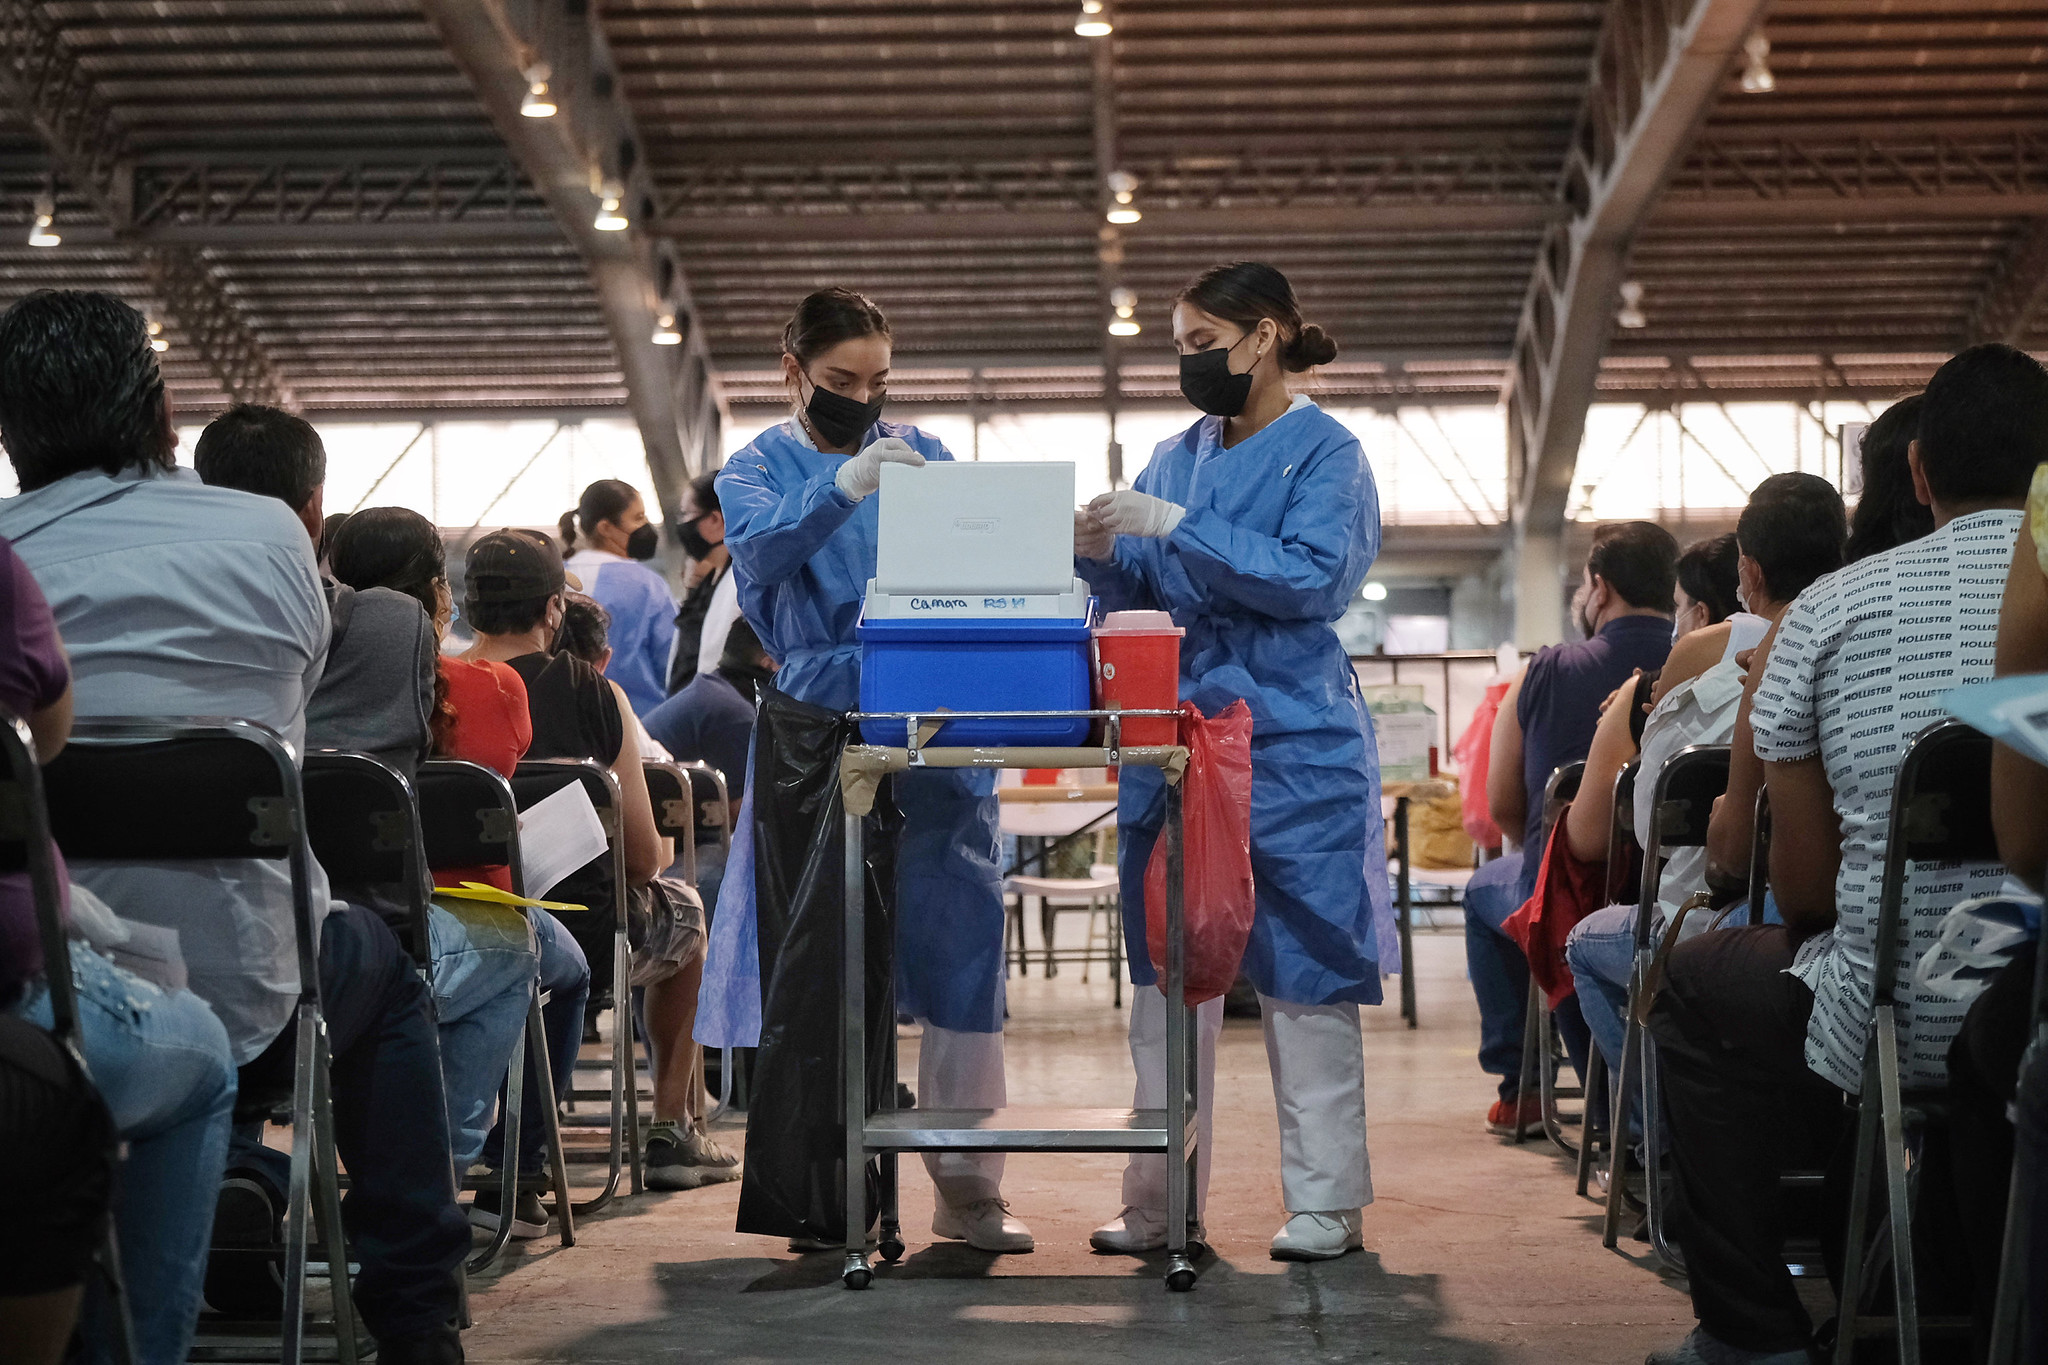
{"points": [[567, 527]]}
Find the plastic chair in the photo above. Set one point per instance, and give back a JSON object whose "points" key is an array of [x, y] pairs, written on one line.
{"points": [[1540, 1043], [1683, 802], [468, 818], [220, 789], [1941, 813], [25, 847], [532, 781]]}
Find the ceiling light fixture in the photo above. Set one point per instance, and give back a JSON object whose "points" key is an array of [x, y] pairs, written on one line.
{"points": [[44, 232], [1375, 592], [539, 101], [1093, 23], [1123, 216], [665, 333], [1630, 315], [1756, 71], [610, 217], [1124, 327], [156, 335]]}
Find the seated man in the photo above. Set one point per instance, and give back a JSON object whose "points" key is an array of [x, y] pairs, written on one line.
{"points": [[1623, 607], [179, 599], [159, 1060], [1791, 533], [1761, 1029], [712, 721], [377, 696]]}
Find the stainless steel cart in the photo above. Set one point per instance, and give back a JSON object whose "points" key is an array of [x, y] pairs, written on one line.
{"points": [[890, 1131]]}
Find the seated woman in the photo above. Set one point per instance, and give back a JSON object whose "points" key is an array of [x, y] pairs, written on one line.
{"points": [[159, 1058], [668, 967]]}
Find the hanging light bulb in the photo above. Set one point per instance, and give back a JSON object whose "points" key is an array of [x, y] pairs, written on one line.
{"points": [[539, 101], [1123, 188], [665, 333], [1375, 592], [1630, 315], [1124, 327], [44, 232], [610, 217], [1093, 23], [1756, 71], [156, 335]]}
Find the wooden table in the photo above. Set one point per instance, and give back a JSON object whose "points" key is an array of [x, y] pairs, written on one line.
{"points": [[1401, 793]]}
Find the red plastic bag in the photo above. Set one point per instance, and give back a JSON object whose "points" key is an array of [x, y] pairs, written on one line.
{"points": [[1217, 854], [1473, 752]]}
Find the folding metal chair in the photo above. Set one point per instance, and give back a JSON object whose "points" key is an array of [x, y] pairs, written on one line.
{"points": [[675, 814], [1621, 852], [468, 818], [1941, 813], [25, 847], [1683, 802], [1540, 1043], [714, 825], [2008, 1317], [532, 781], [219, 789], [1098, 895]]}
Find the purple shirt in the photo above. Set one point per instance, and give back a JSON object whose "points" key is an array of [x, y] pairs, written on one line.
{"points": [[33, 674], [1560, 703]]}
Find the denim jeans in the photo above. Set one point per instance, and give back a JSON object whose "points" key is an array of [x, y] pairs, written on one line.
{"points": [[161, 1061], [390, 1122], [565, 976], [485, 962], [1499, 971]]}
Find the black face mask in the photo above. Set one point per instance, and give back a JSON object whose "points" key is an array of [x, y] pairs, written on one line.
{"points": [[836, 419], [692, 540], [1206, 381], [643, 542]]}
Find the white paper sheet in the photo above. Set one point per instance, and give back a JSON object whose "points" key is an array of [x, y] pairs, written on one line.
{"points": [[557, 835]]}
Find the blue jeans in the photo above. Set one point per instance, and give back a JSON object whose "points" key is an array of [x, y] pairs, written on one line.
{"points": [[485, 962], [565, 976], [161, 1061], [1500, 973]]}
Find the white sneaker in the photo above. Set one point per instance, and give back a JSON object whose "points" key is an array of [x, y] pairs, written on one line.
{"points": [[985, 1225], [1318, 1236], [1130, 1232]]}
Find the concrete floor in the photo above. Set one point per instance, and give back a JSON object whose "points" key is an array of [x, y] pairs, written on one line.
{"points": [[1476, 1252]]}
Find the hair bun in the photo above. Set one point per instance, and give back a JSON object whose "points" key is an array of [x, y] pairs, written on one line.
{"points": [[1311, 346]]}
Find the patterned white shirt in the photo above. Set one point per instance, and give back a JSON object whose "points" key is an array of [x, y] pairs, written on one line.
{"points": [[1862, 660]]}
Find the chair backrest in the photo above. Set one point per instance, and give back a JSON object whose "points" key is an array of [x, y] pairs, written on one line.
{"points": [[1558, 791], [1684, 801], [1941, 813], [25, 849], [1621, 840], [675, 817], [1760, 856], [468, 816], [538, 778], [176, 789], [363, 823], [713, 802]]}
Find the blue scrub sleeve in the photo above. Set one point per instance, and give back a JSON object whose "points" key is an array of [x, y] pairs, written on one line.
{"points": [[773, 535], [1118, 585], [1304, 573]]}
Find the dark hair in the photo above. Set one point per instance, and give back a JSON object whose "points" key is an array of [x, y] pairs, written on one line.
{"points": [[1707, 573], [262, 450], [828, 317], [704, 492], [1246, 292], [1888, 513], [504, 618], [605, 500], [1984, 425], [395, 548], [330, 527], [79, 388], [1639, 560], [586, 629], [743, 648], [1794, 528]]}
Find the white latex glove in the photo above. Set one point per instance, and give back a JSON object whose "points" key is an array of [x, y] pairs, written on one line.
{"points": [[1092, 540], [862, 474], [1128, 513]]}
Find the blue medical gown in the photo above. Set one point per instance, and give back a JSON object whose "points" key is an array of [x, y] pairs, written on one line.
{"points": [[802, 554], [1279, 534]]}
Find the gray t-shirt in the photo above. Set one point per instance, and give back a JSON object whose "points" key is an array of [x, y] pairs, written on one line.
{"points": [[377, 695]]}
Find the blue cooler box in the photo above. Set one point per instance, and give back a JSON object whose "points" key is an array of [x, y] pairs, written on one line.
{"points": [[977, 664]]}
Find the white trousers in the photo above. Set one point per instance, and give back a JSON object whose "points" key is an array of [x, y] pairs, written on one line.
{"points": [[1317, 1055], [962, 1071]]}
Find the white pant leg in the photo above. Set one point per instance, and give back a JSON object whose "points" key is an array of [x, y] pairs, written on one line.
{"points": [[1145, 1175], [1317, 1053], [962, 1071]]}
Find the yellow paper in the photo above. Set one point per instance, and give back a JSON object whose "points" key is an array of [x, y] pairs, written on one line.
{"points": [[477, 891]]}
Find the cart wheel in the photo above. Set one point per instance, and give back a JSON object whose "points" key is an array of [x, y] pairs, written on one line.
{"points": [[1180, 1279], [859, 1278], [892, 1250]]}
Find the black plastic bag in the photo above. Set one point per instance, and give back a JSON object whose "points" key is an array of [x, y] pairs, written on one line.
{"points": [[793, 1182]]}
